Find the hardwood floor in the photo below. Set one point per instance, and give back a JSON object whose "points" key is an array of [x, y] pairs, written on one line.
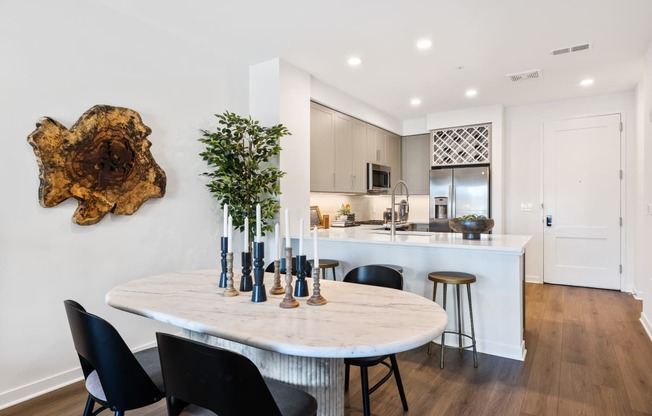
{"points": [[587, 355]]}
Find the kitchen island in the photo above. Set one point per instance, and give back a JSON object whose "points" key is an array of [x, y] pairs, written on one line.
{"points": [[498, 262]]}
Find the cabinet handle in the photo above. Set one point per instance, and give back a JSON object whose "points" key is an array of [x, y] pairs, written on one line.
{"points": [[333, 180], [377, 155]]}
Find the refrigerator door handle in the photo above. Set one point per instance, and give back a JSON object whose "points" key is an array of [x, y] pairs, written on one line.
{"points": [[451, 201]]}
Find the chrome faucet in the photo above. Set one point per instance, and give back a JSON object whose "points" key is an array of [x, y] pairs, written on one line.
{"points": [[407, 198]]}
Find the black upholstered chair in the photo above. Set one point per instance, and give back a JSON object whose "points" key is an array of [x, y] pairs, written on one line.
{"points": [[116, 379], [270, 267], [202, 380], [375, 275]]}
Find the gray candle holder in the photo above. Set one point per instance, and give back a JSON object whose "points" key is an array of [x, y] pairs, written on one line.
{"points": [[230, 290], [277, 289]]}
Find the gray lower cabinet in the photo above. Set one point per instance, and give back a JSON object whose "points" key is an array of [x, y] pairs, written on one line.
{"points": [[416, 154]]}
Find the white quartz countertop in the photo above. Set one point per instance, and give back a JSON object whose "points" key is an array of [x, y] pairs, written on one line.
{"points": [[357, 321], [370, 234]]}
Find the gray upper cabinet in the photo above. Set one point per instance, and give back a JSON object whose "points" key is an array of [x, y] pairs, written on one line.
{"points": [[322, 149], [341, 146], [416, 163], [337, 151]]}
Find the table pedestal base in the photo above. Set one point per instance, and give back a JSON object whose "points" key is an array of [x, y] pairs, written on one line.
{"points": [[321, 377]]}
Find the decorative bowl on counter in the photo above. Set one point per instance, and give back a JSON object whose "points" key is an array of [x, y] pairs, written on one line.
{"points": [[470, 227]]}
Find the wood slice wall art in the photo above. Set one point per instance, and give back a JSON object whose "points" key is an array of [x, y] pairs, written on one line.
{"points": [[103, 161]]}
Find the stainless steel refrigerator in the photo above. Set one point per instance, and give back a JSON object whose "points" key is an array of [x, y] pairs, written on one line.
{"points": [[455, 192]]}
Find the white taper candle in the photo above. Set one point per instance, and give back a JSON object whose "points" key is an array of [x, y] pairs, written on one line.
{"points": [[288, 244], [225, 231], [301, 237], [277, 248], [316, 250], [229, 235], [258, 223], [246, 235]]}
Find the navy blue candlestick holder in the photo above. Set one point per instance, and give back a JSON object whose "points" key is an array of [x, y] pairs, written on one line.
{"points": [[224, 244], [246, 285], [258, 294], [301, 286]]}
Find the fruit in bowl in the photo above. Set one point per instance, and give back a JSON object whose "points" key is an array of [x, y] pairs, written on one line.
{"points": [[471, 226]]}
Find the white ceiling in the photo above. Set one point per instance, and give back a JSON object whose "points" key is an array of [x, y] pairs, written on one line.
{"points": [[487, 38]]}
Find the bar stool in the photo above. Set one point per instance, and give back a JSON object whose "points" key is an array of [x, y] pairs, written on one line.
{"points": [[325, 264], [457, 279]]}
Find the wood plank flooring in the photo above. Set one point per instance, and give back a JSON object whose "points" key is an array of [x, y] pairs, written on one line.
{"points": [[588, 354]]}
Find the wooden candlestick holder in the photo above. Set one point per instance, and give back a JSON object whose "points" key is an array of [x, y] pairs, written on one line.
{"points": [[288, 301], [277, 289], [316, 299], [230, 290]]}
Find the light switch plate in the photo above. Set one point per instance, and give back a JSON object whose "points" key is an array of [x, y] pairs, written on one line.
{"points": [[526, 206]]}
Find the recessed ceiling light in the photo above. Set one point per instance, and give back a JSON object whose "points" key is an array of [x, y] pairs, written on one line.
{"points": [[424, 44], [586, 82], [415, 101], [354, 61], [471, 93]]}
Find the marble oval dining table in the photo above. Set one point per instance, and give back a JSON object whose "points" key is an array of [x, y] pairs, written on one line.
{"points": [[304, 346]]}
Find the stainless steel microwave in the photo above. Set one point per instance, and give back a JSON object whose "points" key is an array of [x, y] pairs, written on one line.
{"points": [[379, 178]]}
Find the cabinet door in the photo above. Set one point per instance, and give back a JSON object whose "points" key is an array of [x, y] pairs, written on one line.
{"points": [[343, 154], [393, 156], [358, 150], [376, 145], [322, 149], [415, 157]]}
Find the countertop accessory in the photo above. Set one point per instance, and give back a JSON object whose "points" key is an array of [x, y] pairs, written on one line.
{"points": [[230, 290], [316, 299], [403, 206], [301, 286], [277, 289], [471, 228], [288, 301], [258, 294], [245, 280], [224, 243]]}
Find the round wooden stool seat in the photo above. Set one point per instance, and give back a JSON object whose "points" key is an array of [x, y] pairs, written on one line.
{"points": [[325, 264], [452, 278]]}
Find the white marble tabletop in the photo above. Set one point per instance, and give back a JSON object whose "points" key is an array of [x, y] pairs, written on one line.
{"points": [[357, 321]]}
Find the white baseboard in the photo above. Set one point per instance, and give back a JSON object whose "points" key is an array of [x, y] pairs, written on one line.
{"points": [[37, 388], [533, 279], [647, 324]]}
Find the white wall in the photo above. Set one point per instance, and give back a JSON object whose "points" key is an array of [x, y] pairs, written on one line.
{"points": [[59, 60], [338, 100], [644, 223], [523, 127]]}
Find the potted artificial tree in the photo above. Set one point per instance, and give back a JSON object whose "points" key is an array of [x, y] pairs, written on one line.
{"points": [[239, 151]]}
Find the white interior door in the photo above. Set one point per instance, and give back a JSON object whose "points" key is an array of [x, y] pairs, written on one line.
{"points": [[581, 201]]}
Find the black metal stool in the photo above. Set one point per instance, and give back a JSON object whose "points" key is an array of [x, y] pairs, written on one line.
{"points": [[326, 264], [457, 279]]}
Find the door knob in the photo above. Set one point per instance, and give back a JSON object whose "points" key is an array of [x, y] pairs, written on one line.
{"points": [[549, 220]]}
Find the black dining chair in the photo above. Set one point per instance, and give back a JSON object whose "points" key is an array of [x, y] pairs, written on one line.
{"points": [[115, 378], [270, 267], [201, 379], [375, 275]]}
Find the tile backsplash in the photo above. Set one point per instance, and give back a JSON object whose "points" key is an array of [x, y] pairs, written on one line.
{"points": [[369, 207]]}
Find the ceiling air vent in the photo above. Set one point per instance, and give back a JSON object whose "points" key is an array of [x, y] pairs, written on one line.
{"points": [[521, 76], [571, 49]]}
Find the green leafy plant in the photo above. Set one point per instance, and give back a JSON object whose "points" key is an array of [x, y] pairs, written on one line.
{"points": [[239, 151]]}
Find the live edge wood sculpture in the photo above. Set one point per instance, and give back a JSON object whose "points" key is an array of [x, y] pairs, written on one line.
{"points": [[103, 161]]}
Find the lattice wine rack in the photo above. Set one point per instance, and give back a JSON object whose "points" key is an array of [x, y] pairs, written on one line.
{"points": [[467, 145]]}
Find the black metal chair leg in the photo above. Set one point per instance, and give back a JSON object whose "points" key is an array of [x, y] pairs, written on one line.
{"points": [[443, 334], [90, 404], [434, 299], [364, 377], [399, 382], [347, 369], [475, 352], [459, 319]]}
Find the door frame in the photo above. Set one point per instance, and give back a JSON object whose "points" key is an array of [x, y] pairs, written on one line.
{"points": [[625, 260]]}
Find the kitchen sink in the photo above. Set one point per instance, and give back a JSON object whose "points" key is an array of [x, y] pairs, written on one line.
{"points": [[401, 232], [414, 226]]}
